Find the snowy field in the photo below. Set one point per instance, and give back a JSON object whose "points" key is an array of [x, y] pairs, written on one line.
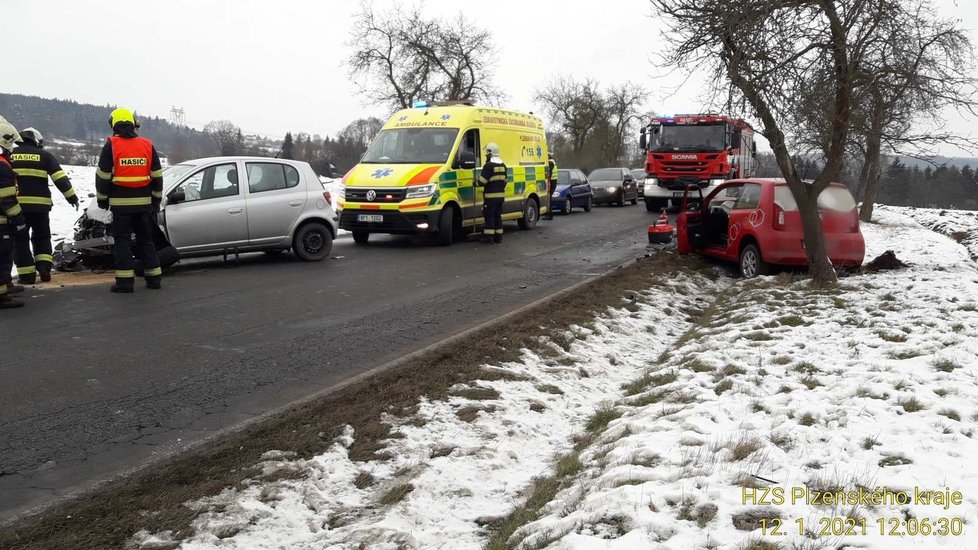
{"points": [[870, 387], [958, 224]]}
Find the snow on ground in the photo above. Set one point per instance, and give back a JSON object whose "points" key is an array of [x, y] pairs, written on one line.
{"points": [[868, 387], [63, 216], [871, 386], [460, 471], [960, 225]]}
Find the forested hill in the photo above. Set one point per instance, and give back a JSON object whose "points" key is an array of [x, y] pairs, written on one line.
{"points": [[65, 120]]}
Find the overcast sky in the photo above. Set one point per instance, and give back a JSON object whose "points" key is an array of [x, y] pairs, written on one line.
{"points": [[272, 67]]}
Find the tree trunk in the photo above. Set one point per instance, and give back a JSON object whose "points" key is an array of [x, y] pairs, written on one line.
{"points": [[819, 265], [871, 166]]}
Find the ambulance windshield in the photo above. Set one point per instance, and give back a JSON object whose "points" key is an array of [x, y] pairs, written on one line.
{"points": [[411, 146]]}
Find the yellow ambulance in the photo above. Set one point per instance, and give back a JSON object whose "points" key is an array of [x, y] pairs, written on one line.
{"points": [[418, 174]]}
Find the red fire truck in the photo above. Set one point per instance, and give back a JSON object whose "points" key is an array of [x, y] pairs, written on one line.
{"points": [[703, 150]]}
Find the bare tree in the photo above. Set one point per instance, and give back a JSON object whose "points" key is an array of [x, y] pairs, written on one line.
{"points": [[226, 136], [574, 108], [623, 105], [402, 56], [921, 65], [772, 52]]}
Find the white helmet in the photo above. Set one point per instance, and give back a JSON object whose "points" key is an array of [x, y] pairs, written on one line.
{"points": [[32, 134], [8, 135], [492, 149]]}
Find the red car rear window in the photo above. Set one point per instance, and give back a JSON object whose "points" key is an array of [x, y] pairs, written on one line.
{"points": [[836, 199]]}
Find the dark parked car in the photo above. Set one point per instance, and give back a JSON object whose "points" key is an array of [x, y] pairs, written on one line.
{"points": [[640, 175], [573, 191], [614, 186]]}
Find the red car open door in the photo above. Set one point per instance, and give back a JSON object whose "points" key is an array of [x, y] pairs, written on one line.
{"points": [[690, 215]]}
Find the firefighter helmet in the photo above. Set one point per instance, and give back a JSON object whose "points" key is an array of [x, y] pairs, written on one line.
{"points": [[492, 149], [33, 135], [122, 115], [8, 135]]}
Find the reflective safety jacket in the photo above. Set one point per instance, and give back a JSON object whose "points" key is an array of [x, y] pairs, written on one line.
{"points": [[10, 211], [493, 179], [129, 178], [33, 166]]}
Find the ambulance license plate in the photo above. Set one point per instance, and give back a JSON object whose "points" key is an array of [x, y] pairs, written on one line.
{"points": [[370, 218]]}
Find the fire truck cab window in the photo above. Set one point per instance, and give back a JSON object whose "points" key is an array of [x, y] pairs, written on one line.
{"points": [[690, 138]]}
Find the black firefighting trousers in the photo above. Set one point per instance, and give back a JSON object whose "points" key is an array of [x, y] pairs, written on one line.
{"points": [[38, 234], [123, 227], [6, 256], [492, 212]]}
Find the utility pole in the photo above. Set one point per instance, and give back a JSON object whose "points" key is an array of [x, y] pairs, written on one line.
{"points": [[178, 117]]}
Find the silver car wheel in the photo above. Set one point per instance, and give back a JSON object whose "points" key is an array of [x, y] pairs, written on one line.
{"points": [[748, 264]]}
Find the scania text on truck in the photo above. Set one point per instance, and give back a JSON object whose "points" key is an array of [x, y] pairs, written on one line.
{"points": [[419, 173], [704, 150]]}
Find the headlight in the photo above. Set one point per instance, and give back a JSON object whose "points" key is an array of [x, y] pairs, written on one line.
{"points": [[650, 184], [421, 191], [612, 189], [341, 191], [715, 181], [556, 195]]}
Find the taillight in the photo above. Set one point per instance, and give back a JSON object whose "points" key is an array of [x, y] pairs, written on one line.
{"points": [[778, 217], [328, 197]]}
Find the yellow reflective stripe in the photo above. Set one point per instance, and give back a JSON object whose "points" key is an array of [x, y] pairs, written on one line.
{"points": [[26, 270], [498, 178], [31, 173], [101, 197], [15, 211], [103, 175], [8, 191], [129, 201], [69, 193], [154, 272], [483, 180], [26, 199], [128, 179], [157, 194], [495, 195], [3, 219], [58, 175], [125, 273], [156, 174], [44, 258]]}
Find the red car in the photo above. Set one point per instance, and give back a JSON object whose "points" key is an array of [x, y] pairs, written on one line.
{"points": [[756, 223]]}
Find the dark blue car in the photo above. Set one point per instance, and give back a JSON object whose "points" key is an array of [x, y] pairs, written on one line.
{"points": [[573, 191]]}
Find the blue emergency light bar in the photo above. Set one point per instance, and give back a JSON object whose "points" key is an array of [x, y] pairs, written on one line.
{"points": [[419, 104]]}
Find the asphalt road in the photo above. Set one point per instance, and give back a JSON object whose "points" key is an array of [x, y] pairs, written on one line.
{"points": [[93, 384]]}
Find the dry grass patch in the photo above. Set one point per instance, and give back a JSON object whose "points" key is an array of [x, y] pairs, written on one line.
{"points": [[950, 413], [807, 419], [723, 386], [470, 412], [601, 418], [744, 448], [944, 365], [550, 388], [650, 381], [364, 480], [395, 494], [477, 393], [911, 405], [894, 460]]}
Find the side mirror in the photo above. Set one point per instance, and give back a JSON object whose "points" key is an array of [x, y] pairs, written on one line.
{"points": [[466, 160], [176, 196], [643, 140], [753, 149], [735, 140]]}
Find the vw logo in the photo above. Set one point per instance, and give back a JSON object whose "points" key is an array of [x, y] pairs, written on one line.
{"points": [[371, 195]]}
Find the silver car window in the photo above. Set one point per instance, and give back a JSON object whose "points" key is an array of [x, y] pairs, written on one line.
{"points": [[211, 182], [269, 176]]}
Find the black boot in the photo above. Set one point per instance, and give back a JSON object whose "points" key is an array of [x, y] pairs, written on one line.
{"points": [[155, 283], [497, 238], [6, 302], [123, 286], [45, 275], [27, 279], [485, 239], [14, 289]]}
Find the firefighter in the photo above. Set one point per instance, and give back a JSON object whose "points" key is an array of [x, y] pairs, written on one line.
{"points": [[551, 184], [34, 165], [129, 182], [493, 181], [11, 216]]}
